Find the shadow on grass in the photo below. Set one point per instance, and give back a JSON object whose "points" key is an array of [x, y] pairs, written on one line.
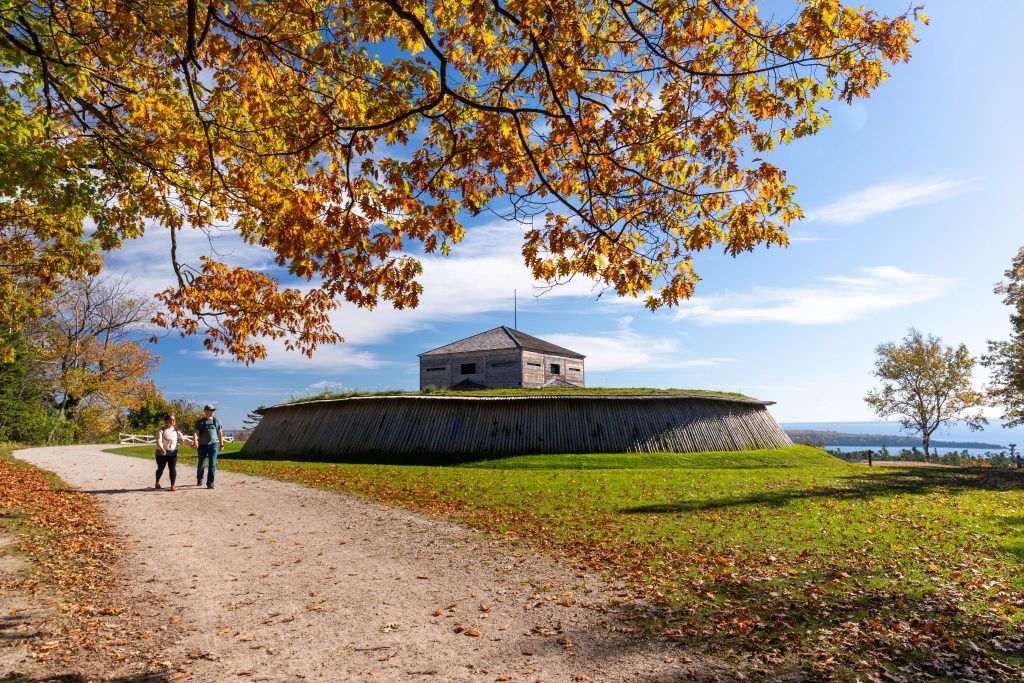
{"points": [[922, 637], [889, 482]]}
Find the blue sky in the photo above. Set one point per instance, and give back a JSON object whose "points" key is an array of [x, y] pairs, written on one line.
{"points": [[912, 200]]}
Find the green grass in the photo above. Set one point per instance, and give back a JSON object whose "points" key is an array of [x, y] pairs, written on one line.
{"points": [[545, 391], [781, 551], [185, 453]]}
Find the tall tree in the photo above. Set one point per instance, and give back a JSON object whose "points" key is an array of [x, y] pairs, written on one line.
{"points": [[85, 342], [926, 385], [625, 135], [26, 415], [1005, 359], [147, 414]]}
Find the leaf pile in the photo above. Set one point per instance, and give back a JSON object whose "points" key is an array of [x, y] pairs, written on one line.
{"points": [[71, 570]]}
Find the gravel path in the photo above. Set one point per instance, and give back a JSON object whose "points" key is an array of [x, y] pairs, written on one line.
{"points": [[260, 580]]}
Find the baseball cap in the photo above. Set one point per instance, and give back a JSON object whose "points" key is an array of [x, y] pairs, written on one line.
{"points": [[209, 407]]}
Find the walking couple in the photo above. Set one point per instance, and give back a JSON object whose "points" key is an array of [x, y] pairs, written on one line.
{"points": [[207, 436]]}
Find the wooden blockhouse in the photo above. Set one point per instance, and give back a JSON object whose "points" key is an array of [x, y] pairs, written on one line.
{"points": [[501, 358]]}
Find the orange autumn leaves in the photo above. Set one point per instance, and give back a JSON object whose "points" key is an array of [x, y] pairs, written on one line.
{"points": [[72, 553], [624, 135]]}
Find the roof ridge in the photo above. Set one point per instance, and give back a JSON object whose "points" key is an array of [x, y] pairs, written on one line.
{"points": [[510, 332], [457, 341]]}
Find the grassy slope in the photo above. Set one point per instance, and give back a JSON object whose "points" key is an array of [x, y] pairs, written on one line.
{"points": [[547, 391], [750, 550]]}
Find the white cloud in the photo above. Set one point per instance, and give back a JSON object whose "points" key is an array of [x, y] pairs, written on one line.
{"points": [[839, 299], [147, 260], [805, 238], [860, 206], [625, 348], [327, 358], [478, 277]]}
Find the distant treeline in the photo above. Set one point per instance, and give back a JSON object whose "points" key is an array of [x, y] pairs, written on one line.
{"points": [[915, 454], [828, 438]]}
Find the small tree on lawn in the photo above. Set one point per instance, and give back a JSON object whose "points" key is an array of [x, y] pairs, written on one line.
{"points": [[926, 385]]}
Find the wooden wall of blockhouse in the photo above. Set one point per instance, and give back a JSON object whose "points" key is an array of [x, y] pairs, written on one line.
{"points": [[492, 426], [500, 369], [537, 369]]}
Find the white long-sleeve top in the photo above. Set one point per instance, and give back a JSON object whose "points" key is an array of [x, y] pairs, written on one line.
{"points": [[167, 438]]}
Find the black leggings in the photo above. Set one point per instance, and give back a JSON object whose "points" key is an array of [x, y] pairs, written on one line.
{"points": [[171, 461]]}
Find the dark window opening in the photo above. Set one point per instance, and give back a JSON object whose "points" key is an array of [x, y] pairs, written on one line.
{"points": [[534, 365], [435, 369], [574, 370], [504, 364], [468, 368], [556, 369]]}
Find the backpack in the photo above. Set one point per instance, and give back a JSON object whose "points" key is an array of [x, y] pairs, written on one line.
{"points": [[204, 427]]}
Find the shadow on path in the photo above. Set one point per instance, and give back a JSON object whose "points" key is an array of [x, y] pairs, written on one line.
{"points": [[80, 678]]}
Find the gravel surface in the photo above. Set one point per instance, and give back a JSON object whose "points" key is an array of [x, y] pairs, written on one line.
{"points": [[260, 580]]}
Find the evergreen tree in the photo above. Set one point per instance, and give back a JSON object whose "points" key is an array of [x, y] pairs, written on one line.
{"points": [[26, 413], [1005, 359]]}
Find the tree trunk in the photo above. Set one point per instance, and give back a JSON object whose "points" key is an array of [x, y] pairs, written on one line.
{"points": [[925, 440]]}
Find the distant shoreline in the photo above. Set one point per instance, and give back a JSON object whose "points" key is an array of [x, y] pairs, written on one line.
{"points": [[832, 438]]}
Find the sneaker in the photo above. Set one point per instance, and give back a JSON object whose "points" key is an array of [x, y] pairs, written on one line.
{"points": [[199, 482], [209, 486], [157, 485], [173, 487]]}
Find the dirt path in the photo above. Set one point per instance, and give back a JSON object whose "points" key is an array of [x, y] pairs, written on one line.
{"points": [[260, 580]]}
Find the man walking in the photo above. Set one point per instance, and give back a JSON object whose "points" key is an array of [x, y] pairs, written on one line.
{"points": [[209, 438]]}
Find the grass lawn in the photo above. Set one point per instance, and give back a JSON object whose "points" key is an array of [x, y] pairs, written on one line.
{"points": [[785, 559]]}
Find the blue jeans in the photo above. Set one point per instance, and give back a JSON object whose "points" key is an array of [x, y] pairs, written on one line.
{"points": [[205, 451]]}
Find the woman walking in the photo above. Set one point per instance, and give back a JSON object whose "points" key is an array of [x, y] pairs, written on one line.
{"points": [[167, 439]]}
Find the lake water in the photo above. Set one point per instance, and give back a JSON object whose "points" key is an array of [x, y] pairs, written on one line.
{"points": [[994, 433]]}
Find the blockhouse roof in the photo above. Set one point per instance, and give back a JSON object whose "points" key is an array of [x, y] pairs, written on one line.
{"points": [[502, 338]]}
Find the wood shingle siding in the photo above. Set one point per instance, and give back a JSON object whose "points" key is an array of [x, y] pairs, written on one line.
{"points": [[513, 425], [504, 359]]}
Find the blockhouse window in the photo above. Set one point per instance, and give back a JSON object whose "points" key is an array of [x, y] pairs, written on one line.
{"points": [[468, 369], [556, 369], [574, 369], [504, 364], [534, 365], [436, 369]]}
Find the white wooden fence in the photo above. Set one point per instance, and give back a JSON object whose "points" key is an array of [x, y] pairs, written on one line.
{"points": [[149, 439]]}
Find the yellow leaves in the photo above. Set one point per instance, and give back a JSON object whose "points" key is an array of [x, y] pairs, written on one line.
{"points": [[337, 147]]}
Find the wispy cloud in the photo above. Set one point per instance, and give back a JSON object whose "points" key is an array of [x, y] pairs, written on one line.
{"points": [[838, 299], [328, 358], [624, 348], [878, 199], [477, 278]]}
